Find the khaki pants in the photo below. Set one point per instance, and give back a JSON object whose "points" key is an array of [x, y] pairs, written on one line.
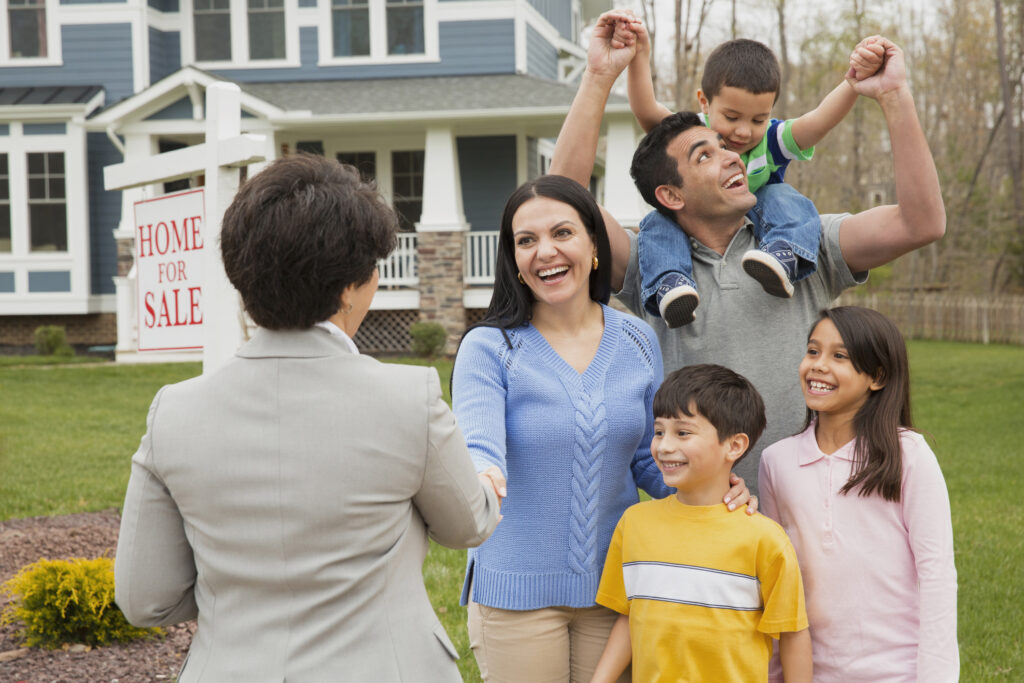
{"points": [[548, 645]]}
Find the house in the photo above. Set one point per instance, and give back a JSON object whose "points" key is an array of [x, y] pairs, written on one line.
{"points": [[448, 104]]}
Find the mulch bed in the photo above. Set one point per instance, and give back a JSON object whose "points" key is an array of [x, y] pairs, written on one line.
{"points": [[93, 534]]}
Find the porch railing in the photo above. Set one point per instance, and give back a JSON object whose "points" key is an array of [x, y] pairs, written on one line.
{"points": [[478, 257], [398, 269]]}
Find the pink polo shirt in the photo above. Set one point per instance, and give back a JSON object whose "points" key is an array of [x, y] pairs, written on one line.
{"points": [[878, 576]]}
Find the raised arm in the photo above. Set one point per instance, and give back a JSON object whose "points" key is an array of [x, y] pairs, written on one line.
{"points": [[812, 127], [576, 147], [642, 100], [879, 235]]}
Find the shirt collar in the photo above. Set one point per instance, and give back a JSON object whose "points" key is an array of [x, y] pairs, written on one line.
{"points": [[810, 453], [336, 331]]}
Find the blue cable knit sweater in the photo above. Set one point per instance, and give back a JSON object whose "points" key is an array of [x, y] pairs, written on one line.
{"points": [[574, 447]]}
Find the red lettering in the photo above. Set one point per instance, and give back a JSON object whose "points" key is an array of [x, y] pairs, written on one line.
{"points": [[150, 317], [145, 240], [197, 237], [196, 316], [165, 314], [161, 229]]}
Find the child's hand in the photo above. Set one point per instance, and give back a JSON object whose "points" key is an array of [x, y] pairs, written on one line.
{"points": [[643, 40], [612, 44], [867, 58]]}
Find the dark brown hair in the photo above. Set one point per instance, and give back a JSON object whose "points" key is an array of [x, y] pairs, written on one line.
{"points": [[297, 234], [741, 63], [653, 165], [724, 398], [877, 349]]}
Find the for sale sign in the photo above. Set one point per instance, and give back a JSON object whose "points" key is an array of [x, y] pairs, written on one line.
{"points": [[169, 269]]}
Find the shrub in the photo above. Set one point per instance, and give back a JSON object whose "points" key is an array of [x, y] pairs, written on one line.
{"points": [[428, 339], [51, 340], [68, 601]]}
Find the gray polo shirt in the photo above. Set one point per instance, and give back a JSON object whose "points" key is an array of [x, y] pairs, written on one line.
{"points": [[738, 325]]}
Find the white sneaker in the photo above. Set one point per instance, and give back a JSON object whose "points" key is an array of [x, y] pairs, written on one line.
{"points": [[678, 304], [769, 272]]}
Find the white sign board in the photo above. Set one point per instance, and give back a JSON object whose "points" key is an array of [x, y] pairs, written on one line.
{"points": [[169, 262]]}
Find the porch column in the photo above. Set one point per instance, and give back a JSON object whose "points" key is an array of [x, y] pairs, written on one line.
{"points": [[440, 236], [620, 194], [136, 146]]}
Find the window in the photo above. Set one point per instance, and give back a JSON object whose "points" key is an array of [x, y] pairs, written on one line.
{"points": [[47, 205], [365, 162], [211, 22], [27, 33], [392, 30], [407, 187], [405, 27], [266, 29], [5, 206], [350, 22]]}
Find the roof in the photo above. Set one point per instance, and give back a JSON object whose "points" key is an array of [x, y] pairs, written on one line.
{"points": [[54, 94], [418, 95]]}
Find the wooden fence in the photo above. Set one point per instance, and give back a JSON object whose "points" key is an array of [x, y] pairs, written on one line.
{"points": [[996, 320]]}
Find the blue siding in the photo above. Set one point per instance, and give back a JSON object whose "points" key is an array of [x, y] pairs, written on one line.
{"points": [[94, 54], [307, 3], [104, 214], [466, 47], [164, 54], [488, 169], [557, 12], [541, 56], [49, 281], [5, 129], [44, 128], [7, 283], [182, 109]]}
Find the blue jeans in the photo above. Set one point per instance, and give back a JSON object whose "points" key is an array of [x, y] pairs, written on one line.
{"points": [[781, 214]]}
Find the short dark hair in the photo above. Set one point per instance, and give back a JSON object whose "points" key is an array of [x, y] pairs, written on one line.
{"points": [[653, 165], [741, 63], [725, 398], [297, 234], [511, 301]]}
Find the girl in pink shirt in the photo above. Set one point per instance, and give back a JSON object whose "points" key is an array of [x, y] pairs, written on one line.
{"points": [[863, 500]]}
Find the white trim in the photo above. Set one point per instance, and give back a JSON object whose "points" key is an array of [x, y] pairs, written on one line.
{"points": [[21, 260], [166, 22], [477, 298], [378, 37], [240, 39], [395, 300], [53, 39], [477, 10], [430, 117]]}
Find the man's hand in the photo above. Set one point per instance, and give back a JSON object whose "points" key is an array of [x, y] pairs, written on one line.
{"points": [[867, 58], [890, 79]]}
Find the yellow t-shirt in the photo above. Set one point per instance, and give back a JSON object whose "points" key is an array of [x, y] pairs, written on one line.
{"points": [[705, 590]]}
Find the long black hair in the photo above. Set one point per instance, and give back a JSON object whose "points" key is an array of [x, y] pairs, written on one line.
{"points": [[877, 349], [512, 302]]}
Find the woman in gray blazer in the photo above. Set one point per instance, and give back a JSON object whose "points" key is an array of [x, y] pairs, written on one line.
{"points": [[285, 500]]}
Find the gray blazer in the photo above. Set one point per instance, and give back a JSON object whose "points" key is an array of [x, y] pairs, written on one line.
{"points": [[285, 501]]}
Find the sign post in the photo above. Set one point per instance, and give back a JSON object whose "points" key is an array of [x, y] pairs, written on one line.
{"points": [[211, 311]]}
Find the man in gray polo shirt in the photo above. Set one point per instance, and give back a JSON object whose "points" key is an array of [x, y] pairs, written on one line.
{"points": [[738, 324]]}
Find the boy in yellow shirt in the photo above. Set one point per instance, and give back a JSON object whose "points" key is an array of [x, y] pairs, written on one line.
{"points": [[701, 592]]}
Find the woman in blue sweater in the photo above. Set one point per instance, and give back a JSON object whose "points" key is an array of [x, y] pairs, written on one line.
{"points": [[553, 392]]}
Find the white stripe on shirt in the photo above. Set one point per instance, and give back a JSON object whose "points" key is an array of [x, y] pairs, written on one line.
{"points": [[691, 585]]}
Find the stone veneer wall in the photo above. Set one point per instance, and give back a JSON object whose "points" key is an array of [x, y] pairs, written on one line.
{"points": [[92, 329], [440, 273]]}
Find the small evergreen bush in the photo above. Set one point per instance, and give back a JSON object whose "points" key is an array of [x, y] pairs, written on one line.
{"points": [[52, 340], [68, 601], [428, 339]]}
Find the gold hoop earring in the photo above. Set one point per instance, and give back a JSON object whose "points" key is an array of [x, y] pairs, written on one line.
{"points": [[521, 280], [349, 309], [595, 263]]}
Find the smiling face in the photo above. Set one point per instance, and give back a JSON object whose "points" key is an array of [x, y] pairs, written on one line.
{"points": [[714, 178], [831, 385], [554, 252], [692, 459], [738, 115]]}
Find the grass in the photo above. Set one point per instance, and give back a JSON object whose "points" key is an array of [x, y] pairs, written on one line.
{"points": [[67, 433]]}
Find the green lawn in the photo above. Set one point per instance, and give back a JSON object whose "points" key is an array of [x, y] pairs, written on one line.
{"points": [[67, 433]]}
